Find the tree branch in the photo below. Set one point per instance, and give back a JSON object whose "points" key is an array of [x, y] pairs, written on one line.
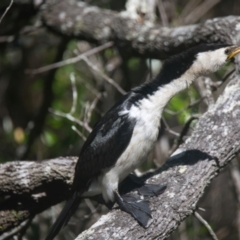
{"points": [[77, 19], [28, 188], [7, 9]]}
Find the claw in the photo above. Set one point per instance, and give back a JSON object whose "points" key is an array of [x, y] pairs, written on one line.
{"points": [[136, 207]]}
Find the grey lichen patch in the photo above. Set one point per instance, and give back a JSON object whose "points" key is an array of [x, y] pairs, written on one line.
{"points": [[183, 198], [78, 18], [101, 221], [80, 4], [62, 16], [106, 31], [237, 34], [76, 32], [225, 132], [152, 36], [79, 26], [141, 39], [99, 34], [69, 24], [47, 169], [182, 169], [170, 195], [90, 10], [107, 21], [86, 234], [63, 28], [232, 107]]}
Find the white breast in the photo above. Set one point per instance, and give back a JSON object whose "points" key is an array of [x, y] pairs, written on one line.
{"points": [[144, 136], [143, 139]]}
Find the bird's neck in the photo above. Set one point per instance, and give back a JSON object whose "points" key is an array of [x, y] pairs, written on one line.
{"points": [[160, 92]]}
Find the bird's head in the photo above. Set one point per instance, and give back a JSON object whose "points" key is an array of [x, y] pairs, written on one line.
{"points": [[210, 57], [200, 60]]}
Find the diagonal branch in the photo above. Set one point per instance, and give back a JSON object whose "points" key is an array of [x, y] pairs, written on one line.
{"points": [[7, 9], [70, 60]]}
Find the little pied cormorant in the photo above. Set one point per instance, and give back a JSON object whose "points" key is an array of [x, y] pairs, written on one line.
{"points": [[122, 139]]}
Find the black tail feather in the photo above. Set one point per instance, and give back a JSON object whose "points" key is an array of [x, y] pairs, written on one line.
{"points": [[66, 213]]}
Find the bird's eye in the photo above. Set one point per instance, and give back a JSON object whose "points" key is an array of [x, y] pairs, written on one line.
{"points": [[227, 51]]}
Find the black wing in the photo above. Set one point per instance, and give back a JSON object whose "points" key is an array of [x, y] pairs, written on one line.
{"points": [[105, 144], [108, 140]]}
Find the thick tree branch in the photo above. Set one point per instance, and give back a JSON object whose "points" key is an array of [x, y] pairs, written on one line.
{"points": [[28, 188], [77, 19], [35, 186]]}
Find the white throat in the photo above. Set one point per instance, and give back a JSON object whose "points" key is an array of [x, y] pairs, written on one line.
{"points": [[162, 96]]}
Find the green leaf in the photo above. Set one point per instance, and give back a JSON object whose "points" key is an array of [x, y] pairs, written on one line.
{"points": [[49, 138]]}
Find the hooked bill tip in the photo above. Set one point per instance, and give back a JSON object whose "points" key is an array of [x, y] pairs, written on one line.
{"points": [[233, 52]]}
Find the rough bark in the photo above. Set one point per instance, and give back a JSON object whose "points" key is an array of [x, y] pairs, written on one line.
{"points": [[28, 188], [77, 19]]}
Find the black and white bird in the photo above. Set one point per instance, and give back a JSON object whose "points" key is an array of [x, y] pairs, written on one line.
{"points": [[122, 139]]}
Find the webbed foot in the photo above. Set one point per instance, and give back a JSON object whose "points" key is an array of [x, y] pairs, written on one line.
{"points": [[139, 209], [151, 189]]}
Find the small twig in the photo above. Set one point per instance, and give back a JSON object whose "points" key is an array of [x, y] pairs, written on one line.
{"points": [[74, 93], [16, 230], [184, 109], [162, 13], [7, 9], [92, 107], [70, 60], [108, 79], [92, 208], [200, 10], [89, 87], [150, 69], [71, 118], [225, 79], [189, 7], [235, 174], [201, 209], [205, 223], [185, 129], [7, 39], [79, 133], [169, 129], [25, 228], [183, 133], [205, 89]]}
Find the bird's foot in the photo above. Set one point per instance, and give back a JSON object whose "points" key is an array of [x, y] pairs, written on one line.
{"points": [[151, 189], [136, 207]]}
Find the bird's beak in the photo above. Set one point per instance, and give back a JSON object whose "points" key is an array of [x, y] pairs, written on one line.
{"points": [[233, 52]]}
